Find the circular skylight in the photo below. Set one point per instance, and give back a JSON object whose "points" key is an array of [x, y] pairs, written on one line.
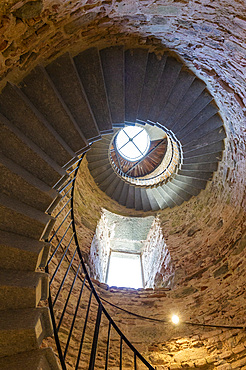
{"points": [[132, 143]]}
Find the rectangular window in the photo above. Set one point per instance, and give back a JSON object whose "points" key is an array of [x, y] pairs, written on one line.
{"points": [[125, 270]]}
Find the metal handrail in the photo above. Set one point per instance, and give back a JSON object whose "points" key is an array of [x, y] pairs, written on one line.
{"points": [[68, 251]]}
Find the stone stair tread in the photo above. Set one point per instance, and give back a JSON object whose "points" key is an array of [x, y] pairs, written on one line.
{"points": [[65, 77], [40, 359], [168, 78], [204, 167], [22, 289], [138, 199], [154, 68], [179, 90], [195, 89], [96, 157], [110, 183], [117, 192], [196, 183], [190, 114], [23, 186], [212, 137], [88, 64], [205, 158], [22, 219], [112, 60], [17, 147], [145, 200], [28, 119], [99, 170], [130, 201], [135, 67], [205, 149], [103, 175], [159, 198], [186, 187], [152, 200], [206, 120], [96, 164], [23, 330], [40, 90], [124, 194], [196, 174], [180, 190], [169, 196], [22, 253]]}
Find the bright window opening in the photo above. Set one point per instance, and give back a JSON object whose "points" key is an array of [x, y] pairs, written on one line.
{"points": [[125, 270], [132, 142]]}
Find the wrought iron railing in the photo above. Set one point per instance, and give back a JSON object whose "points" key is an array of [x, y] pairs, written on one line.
{"points": [[85, 334]]}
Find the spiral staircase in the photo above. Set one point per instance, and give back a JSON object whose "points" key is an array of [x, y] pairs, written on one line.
{"points": [[58, 114]]}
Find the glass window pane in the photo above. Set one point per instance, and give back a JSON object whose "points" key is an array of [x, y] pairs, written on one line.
{"points": [[125, 270], [130, 151]]}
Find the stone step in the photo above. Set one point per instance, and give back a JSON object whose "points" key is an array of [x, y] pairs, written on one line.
{"points": [[203, 150], [22, 185], [135, 67], [182, 85], [19, 218], [18, 109], [22, 289], [159, 198], [152, 200], [164, 88], [64, 76], [21, 150], [171, 198], [103, 175], [112, 61], [180, 190], [118, 189], [154, 68], [145, 200], [41, 359], [205, 121], [196, 183], [96, 157], [193, 92], [110, 183], [185, 187], [196, 107], [130, 201], [88, 64], [21, 253], [97, 164], [23, 330], [124, 194], [138, 199], [100, 170], [212, 137], [203, 167], [204, 158], [40, 90], [196, 174]]}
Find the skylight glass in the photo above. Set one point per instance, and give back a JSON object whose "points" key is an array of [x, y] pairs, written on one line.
{"points": [[132, 142], [125, 270]]}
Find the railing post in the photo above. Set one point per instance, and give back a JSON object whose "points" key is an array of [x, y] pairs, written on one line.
{"points": [[95, 338]]}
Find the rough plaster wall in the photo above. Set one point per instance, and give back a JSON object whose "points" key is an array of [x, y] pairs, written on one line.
{"points": [[156, 259], [100, 248]]}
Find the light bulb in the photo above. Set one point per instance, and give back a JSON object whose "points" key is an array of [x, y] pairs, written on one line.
{"points": [[175, 319]]}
